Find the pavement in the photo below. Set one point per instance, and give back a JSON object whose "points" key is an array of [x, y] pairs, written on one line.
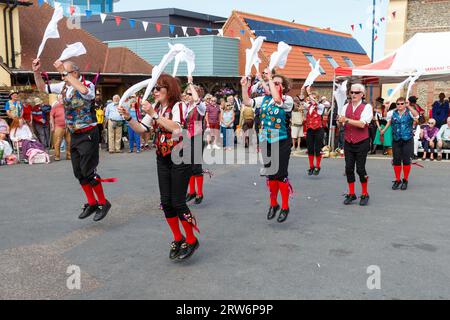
{"points": [[324, 250]]}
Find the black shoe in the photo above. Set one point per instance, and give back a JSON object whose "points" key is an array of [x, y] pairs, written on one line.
{"points": [[187, 250], [283, 215], [88, 211], [349, 198], [175, 248], [396, 185], [191, 197], [316, 171], [273, 212], [364, 200], [198, 200], [311, 171], [404, 185], [102, 211]]}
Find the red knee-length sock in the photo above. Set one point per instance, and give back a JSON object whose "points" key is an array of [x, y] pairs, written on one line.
{"points": [[311, 161], [318, 161], [192, 185], [398, 173], [189, 229], [174, 224], [274, 188], [98, 189], [365, 188], [284, 189], [199, 180], [351, 188], [87, 188], [406, 172]]}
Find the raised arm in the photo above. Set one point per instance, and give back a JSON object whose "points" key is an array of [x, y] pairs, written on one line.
{"points": [[245, 97], [40, 84]]}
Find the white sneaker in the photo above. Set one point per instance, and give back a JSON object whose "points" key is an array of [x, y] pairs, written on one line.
{"points": [[216, 147]]}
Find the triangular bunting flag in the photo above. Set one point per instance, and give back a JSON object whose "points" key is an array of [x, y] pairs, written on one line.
{"points": [[273, 31], [361, 26], [185, 31], [394, 14], [132, 23], [88, 13], [375, 38], [220, 32], [158, 27], [40, 2], [172, 28], [118, 20], [145, 25], [103, 17], [209, 30], [242, 32], [197, 30], [72, 10], [353, 27]]}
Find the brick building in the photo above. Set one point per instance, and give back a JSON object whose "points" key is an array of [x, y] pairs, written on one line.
{"points": [[413, 16]]}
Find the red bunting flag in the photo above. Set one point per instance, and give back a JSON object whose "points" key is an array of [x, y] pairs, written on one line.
{"points": [[118, 20], [394, 14], [197, 30], [72, 10], [353, 27], [158, 27], [375, 38]]}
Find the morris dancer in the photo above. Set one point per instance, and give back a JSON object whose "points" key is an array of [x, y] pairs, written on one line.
{"points": [[78, 96], [356, 117], [167, 118], [402, 122], [275, 130]]}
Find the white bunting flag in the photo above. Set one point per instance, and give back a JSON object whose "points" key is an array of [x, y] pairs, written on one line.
{"points": [[220, 32], [103, 17], [185, 31], [145, 25]]}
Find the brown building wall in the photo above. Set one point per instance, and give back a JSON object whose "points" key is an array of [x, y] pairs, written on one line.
{"points": [[428, 16]]}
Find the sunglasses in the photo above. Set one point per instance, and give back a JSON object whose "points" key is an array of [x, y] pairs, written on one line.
{"points": [[355, 92], [158, 88], [401, 104], [431, 123], [189, 94], [277, 83]]}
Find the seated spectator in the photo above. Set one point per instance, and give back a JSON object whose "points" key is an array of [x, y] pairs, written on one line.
{"points": [[14, 107], [5, 148], [443, 138], [418, 136], [20, 131], [440, 110], [430, 133], [4, 126], [413, 102]]}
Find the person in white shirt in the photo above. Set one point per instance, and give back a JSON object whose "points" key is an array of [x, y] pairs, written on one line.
{"points": [[443, 138], [168, 117], [20, 131], [356, 117]]}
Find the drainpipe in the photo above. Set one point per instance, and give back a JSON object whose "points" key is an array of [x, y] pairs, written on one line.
{"points": [[11, 28], [6, 32]]}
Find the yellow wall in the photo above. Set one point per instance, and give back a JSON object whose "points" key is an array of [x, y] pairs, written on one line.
{"points": [[5, 78], [16, 27], [395, 34]]}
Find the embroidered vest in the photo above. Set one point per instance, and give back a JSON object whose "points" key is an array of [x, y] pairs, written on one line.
{"points": [[164, 139], [314, 120], [191, 125], [77, 111], [354, 134], [402, 126], [274, 122]]}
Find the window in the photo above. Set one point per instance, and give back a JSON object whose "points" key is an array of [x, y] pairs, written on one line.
{"points": [[313, 61], [349, 62], [331, 60]]}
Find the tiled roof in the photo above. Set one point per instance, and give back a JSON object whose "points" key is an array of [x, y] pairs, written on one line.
{"points": [[33, 22], [298, 65]]}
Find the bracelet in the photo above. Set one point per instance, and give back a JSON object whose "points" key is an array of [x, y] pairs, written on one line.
{"points": [[129, 119]]}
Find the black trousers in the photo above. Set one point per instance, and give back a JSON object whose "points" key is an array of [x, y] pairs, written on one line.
{"points": [[85, 156], [314, 141], [403, 152], [285, 147], [197, 160], [173, 185], [356, 154]]}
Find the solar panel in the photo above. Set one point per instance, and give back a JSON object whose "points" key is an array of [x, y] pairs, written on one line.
{"points": [[308, 38]]}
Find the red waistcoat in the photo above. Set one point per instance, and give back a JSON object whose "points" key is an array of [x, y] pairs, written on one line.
{"points": [[192, 123], [314, 119], [164, 139], [354, 134]]}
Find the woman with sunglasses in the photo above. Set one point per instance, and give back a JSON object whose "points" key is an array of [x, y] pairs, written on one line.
{"points": [[194, 125], [167, 118], [275, 132], [314, 130], [402, 121], [356, 117]]}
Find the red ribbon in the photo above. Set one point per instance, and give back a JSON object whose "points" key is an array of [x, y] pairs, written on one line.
{"points": [[418, 165], [108, 180]]}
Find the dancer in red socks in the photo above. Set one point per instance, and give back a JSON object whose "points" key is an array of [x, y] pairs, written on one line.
{"points": [[78, 96], [194, 125], [402, 122], [167, 118], [275, 133], [356, 117], [314, 131]]}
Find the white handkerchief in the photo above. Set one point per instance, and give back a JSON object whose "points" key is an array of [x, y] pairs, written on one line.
{"points": [[73, 50], [52, 28]]}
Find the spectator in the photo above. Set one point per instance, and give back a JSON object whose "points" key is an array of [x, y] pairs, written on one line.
{"points": [[4, 126], [100, 115], [413, 102], [27, 112], [14, 107], [443, 138], [373, 128], [59, 129], [20, 131], [440, 111], [383, 138], [40, 124], [212, 121], [5, 148], [298, 118], [134, 137], [418, 135], [430, 133], [247, 122], [227, 118], [115, 125], [231, 100]]}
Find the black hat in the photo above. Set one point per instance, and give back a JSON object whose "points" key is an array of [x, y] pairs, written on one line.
{"points": [[380, 100], [412, 99]]}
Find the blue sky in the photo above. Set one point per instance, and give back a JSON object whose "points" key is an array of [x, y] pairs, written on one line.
{"points": [[338, 15]]}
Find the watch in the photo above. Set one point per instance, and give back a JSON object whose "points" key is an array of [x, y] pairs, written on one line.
{"points": [[155, 116], [347, 120]]}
